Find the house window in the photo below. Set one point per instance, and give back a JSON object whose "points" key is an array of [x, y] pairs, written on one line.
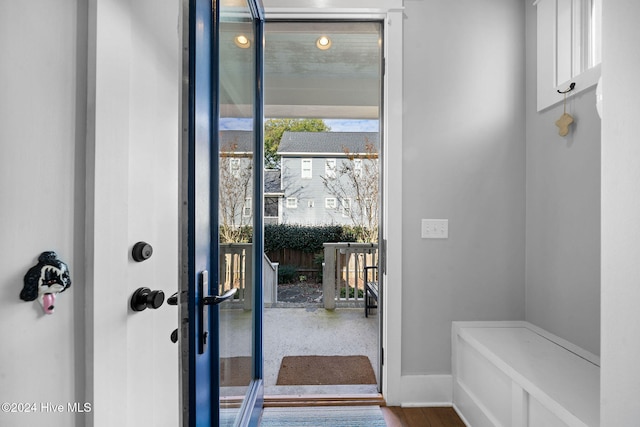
{"points": [[246, 210], [234, 166], [330, 168], [292, 202], [569, 47], [357, 167], [367, 207], [306, 169], [310, 203], [330, 203], [271, 206], [346, 207]]}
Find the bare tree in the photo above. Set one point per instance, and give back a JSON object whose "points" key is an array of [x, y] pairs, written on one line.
{"points": [[235, 194], [355, 184]]}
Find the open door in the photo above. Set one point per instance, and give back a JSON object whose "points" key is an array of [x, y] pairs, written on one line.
{"points": [[221, 375]]}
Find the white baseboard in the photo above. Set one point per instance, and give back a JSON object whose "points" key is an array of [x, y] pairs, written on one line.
{"points": [[426, 390], [464, 420]]}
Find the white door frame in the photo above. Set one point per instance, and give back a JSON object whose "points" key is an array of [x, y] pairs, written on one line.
{"points": [[391, 161], [132, 115]]}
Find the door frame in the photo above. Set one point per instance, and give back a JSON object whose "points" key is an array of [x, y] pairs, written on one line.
{"points": [[391, 192], [107, 131]]}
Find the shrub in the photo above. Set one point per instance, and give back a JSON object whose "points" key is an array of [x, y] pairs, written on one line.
{"points": [[303, 238], [287, 273], [343, 292]]}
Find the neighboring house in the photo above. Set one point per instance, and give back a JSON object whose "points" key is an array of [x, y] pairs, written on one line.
{"points": [[236, 166], [319, 173], [236, 188], [315, 185]]}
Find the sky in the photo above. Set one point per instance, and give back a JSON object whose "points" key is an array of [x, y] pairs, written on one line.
{"points": [[336, 125]]}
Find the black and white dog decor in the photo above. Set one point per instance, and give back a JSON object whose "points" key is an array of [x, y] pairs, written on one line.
{"points": [[45, 280]]}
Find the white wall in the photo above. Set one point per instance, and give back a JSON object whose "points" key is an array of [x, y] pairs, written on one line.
{"points": [[563, 213], [42, 127], [620, 375], [464, 160]]}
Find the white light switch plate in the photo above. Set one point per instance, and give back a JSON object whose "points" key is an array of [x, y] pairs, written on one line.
{"points": [[435, 228]]}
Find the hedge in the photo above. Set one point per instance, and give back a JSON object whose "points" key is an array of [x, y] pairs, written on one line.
{"points": [[304, 238]]}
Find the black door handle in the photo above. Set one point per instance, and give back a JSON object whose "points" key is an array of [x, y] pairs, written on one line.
{"points": [[219, 299], [215, 300], [202, 319]]}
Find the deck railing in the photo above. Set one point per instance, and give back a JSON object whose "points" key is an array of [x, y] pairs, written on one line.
{"points": [[236, 271], [343, 271], [236, 260]]}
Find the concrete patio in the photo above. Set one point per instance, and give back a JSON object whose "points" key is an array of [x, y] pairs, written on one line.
{"points": [[301, 331]]}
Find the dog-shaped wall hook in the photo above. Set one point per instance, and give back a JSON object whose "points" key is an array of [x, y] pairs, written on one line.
{"points": [[45, 280]]}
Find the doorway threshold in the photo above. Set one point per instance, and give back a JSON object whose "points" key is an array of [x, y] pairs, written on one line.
{"points": [[275, 401]]}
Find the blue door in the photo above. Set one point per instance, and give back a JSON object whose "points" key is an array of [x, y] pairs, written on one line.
{"points": [[222, 250]]}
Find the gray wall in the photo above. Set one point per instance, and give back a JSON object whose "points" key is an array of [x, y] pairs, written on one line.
{"points": [[563, 213], [464, 160], [42, 132]]}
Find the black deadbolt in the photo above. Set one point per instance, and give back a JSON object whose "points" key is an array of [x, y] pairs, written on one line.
{"points": [[141, 251], [144, 298]]}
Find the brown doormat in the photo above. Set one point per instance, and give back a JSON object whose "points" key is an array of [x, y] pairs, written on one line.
{"points": [[235, 371], [325, 370]]}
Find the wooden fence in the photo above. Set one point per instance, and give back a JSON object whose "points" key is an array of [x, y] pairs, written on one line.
{"points": [[303, 261]]}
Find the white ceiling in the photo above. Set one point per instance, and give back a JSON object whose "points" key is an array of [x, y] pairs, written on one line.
{"points": [[301, 80]]}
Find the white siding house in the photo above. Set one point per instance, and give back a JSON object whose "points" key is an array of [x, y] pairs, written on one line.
{"points": [[320, 175]]}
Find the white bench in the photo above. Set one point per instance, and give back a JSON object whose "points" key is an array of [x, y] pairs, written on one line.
{"points": [[514, 374]]}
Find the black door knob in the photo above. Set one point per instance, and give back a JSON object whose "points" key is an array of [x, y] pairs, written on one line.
{"points": [[144, 298]]}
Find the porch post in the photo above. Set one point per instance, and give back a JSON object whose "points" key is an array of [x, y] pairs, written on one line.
{"points": [[329, 277]]}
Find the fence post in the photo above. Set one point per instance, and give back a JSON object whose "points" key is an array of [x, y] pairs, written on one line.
{"points": [[248, 276], [274, 286], [329, 277]]}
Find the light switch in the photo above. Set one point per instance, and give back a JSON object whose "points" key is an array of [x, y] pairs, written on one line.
{"points": [[435, 228]]}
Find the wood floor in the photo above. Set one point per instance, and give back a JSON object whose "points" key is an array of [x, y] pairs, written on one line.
{"points": [[396, 416]]}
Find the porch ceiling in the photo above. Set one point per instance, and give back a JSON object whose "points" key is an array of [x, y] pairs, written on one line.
{"points": [[303, 81]]}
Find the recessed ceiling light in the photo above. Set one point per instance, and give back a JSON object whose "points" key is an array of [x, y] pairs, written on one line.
{"points": [[242, 41], [323, 43]]}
